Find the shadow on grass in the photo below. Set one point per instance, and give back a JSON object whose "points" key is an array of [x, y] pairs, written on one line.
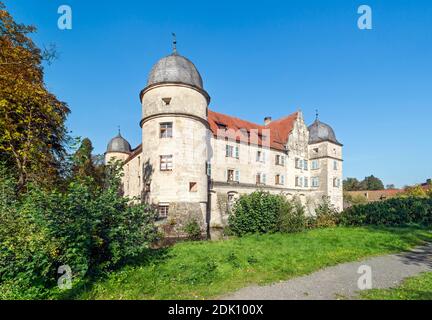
{"points": [[411, 234], [150, 257]]}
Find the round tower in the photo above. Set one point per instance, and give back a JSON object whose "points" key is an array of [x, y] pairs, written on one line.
{"points": [[175, 133], [118, 148]]}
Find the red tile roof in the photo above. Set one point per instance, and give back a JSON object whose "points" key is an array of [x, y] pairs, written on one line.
{"points": [[277, 131]]}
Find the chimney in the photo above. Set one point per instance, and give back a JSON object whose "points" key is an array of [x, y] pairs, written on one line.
{"points": [[267, 120]]}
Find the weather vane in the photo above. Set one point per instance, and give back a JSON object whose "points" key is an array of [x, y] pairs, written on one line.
{"points": [[316, 114], [174, 42]]}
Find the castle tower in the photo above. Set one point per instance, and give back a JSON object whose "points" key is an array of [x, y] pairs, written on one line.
{"points": [[118, 148], [175, 141], [325, 154]]}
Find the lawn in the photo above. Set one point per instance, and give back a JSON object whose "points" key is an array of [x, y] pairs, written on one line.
{"points": [[200, 270], [415, 288]]}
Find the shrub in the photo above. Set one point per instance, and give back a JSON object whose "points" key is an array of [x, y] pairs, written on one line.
{"points": [[391, 212], [193, 230], [257, 212], [88, 230], [326, 214], [292, 216]]}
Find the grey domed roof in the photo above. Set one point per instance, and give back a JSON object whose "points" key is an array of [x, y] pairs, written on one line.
{"points": [[119, 144], [175, 68], [319, 131]]}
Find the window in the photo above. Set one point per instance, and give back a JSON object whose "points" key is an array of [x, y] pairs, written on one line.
{"points": [[260, 156], [147, 187], [231, 200], [232, 152], [315, 164], [280, 179], [306, 182], [315, 182], [233, 175], [305, 165], [230, 175], [336, 182], [166, 130], [261, 178], [298, 181], [163, 211], [280, 160], [193, 187], [208, 169], [335, 165], [298, 163], [221, 126], [167, 101], [166, 163]]}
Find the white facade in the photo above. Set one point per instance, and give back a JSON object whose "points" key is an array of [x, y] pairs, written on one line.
{"points": [[192, 165]]}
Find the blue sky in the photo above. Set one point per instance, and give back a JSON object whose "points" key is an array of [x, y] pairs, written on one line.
{"points": [[257, 59]]}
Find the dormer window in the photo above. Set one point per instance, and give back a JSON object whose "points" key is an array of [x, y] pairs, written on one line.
{"points": [[167, 101], [221, 126]]}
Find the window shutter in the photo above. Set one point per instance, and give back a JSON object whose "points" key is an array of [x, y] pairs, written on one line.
{"points": [[227, 151], [237, 152]]}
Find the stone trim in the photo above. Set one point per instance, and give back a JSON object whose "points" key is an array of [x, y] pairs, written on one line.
{"points": [[174, 114], [175, 84]]}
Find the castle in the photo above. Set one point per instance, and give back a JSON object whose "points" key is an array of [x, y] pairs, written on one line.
{"points": [[194, 162]]}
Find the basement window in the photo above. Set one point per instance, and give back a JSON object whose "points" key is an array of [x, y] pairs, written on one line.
{"points": [[163, 211]]}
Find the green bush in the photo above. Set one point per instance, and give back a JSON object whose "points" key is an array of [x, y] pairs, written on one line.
{"points": [[326, 214], [391, 212], [257, 212], [193, 230], [291, 216], [262, 212], [88, 230]]}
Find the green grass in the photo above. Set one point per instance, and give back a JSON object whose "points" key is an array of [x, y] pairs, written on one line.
{"points": [[415, 288], [199, 270]]}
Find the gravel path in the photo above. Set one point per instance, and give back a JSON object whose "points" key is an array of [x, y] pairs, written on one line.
{"points": [[341, 280]]}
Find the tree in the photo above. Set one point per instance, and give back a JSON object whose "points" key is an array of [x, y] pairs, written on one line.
{"points": [[32, 120], [85, 167], [351, 184], [371, 183], [390, 186]]}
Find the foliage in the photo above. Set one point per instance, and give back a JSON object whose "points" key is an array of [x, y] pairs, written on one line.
{"points": [[88, 230], [354, 199], [193, 229], [208, 270], [292, 216], [85, 167], [32, 120], [368, 183], [326, 214], [415, 191], [371, 183], [257, 212], [391, 212], [351, 184]]}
